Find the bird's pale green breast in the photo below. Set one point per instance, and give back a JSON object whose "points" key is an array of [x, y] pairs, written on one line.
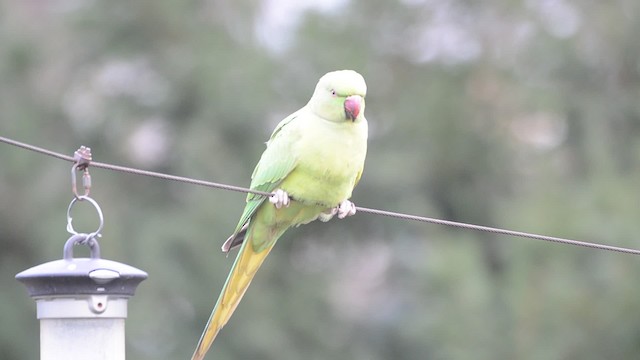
{"points": [[330, 159]]}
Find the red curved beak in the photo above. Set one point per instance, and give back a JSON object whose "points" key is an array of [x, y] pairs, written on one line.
{"points": [[352, 105]]}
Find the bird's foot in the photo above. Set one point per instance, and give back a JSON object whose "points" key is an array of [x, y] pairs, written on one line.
{"points": [[280, 198], [346, 208]]}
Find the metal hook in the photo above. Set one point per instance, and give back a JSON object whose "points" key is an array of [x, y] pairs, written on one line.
{"points": [[70, 228], [82, 158], [81, 239]]}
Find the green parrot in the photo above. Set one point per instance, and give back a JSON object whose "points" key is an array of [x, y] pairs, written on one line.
{"points": [[312, 162]]}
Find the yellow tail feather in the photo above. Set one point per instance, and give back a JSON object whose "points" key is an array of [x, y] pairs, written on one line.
{"points": [[245, 267]]}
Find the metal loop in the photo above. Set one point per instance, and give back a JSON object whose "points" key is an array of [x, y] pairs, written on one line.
{"points": [[86, 180], [70, 228], [82, 158], [81, 239]]}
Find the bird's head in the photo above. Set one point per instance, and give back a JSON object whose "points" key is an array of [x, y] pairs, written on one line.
{"points": [[339, 96]]}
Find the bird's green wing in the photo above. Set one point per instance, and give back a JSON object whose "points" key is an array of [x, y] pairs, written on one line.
{"points": [[277, 161]]}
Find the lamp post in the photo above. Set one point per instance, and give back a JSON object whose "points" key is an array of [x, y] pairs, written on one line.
{"points": [[82, 304]]}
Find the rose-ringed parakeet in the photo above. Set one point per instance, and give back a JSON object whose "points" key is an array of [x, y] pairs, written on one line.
{"points": [[312, 162]]}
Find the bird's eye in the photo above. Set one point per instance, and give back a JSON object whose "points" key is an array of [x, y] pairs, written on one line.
{"points": [[333, 92]]}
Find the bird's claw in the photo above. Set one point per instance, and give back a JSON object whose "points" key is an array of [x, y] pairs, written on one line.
{"points": [[280, 198], [346, 208]]}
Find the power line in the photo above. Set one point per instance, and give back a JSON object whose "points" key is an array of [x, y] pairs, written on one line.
{"points": [[392, 214], [129, 170], [500, 231]]}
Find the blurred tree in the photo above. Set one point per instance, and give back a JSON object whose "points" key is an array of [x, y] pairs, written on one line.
{"points": [[523, 115]]}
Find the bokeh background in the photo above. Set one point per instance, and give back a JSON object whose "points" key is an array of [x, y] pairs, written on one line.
{"points": [[515, 114]]}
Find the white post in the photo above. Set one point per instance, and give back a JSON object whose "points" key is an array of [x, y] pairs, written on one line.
{"points": [[71, 330], [82, 304]]}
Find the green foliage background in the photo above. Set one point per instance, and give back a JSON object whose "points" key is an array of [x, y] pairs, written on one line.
{"points": [[524, 115]]}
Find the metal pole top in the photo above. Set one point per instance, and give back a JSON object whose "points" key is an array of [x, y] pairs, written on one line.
{"points": [[81, 276]]}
